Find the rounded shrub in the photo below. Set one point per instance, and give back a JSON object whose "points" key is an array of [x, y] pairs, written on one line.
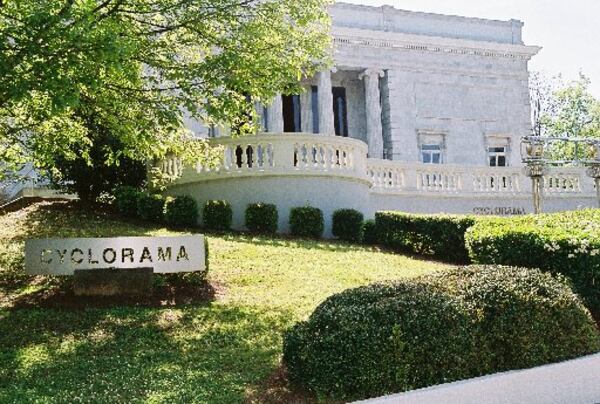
{"points": [[262, 218], [457, 324], [151, 207], [348, 225], [370, 232], [126, 200], [380, 339], [567, 243], [217, 215], [181, 211], [307, 221], [524, 317]]}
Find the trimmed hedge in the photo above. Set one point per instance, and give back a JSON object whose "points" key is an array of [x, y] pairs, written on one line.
{"points": [[307, 221], [467, 322], [217, 215], [348, 225], [441, 236], [370, 232], [126, 200], [181, 211], [566, 243], [151, 207], [262, 218]]}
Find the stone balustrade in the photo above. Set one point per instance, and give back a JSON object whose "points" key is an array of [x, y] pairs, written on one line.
{"points": [[299, 154]]}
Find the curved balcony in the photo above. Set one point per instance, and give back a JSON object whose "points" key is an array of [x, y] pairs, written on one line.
{"points": [[287, 154], [310, 155]]}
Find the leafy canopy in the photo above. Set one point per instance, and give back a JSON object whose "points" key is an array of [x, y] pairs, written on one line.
{"points": [[561, 108], [141, 67]]}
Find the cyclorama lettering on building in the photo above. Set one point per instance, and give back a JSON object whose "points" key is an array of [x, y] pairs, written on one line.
{"points": [[500, 211], [163, 254]]}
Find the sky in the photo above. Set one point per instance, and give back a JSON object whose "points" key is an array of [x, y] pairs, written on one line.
{"points": [[568, 31]]}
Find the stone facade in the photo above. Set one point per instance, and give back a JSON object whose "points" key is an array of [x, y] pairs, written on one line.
{"points": [[415, 80]]}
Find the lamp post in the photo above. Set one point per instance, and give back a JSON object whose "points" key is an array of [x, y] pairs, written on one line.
{"points": [[533, 156], [594, 168]]}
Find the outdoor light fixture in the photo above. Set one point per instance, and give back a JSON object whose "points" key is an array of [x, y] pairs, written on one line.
{"points": [[594, 166], [534, 155]]}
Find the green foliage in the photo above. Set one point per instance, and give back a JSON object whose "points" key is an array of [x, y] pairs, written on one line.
{"points": [[126, 200], [467, 322], [566, 243], [348, 225], [441, 236], [96, 172], [564, 109], [370, 236], [151, 207], [217, 215], [262, 218], [307, 222], [141, 65], [181, 211], [523, 317]]}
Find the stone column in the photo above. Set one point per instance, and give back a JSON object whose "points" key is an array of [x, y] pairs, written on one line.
{"points": [[373, 106], [326, 124], [275, 115], [306, 118]]}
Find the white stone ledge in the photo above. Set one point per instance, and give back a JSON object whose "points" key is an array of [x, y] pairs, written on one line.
{"points": [[572, 382]]}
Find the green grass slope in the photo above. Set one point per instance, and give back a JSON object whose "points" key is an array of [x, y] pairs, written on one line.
{"points": [[223, 351]]}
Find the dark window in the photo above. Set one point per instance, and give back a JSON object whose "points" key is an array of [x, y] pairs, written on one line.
{"points": [[497, 156], [315, 108], [291, 113], [340, 111]]}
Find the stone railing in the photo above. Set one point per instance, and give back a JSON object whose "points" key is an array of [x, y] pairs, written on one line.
{"points": [[280, 154], [318, 155]]}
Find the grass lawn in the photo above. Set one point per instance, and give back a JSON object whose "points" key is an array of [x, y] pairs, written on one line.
{"points": [[226, 350]]}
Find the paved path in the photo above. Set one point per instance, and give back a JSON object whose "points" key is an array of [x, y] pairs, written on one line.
{"points": [[572, 382]]}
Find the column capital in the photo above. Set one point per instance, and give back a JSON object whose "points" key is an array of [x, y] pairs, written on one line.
{"points": [[371, 73]]}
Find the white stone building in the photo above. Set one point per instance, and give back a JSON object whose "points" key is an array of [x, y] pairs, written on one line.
{"points": [[421, 113], [417, 87]]}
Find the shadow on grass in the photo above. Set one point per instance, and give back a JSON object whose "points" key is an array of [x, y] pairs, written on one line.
{"points": [[60, 295], [192, 354]]}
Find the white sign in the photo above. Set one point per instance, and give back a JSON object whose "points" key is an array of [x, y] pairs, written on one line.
{"points": [[163, 254]]}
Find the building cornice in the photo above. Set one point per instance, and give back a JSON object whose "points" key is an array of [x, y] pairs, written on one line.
{"points": [[429, 44]]}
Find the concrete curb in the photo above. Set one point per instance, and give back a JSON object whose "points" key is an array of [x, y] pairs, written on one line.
{"points": [[572, 382]]}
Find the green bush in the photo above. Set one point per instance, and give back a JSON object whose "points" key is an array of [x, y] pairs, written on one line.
{"points": [[151, 207], [441, 236], [262, 218], [217, 215], [307, 222], [370, 232], [566, 243], [348, 225], [126, 200], [181, 211], [467, 322]]}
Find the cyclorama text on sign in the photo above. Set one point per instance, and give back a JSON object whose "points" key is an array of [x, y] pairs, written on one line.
{"points": [[163, 254]]}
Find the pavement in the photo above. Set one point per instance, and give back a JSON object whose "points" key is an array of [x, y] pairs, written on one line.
{"points": [[572, 382]]}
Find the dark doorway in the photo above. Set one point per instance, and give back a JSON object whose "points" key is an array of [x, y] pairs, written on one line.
{"points": [[292, 121], [340, 111]]}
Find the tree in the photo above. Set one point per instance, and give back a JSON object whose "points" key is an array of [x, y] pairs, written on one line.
{"points": [[564, 109], [139, 66], [91, 176]]}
